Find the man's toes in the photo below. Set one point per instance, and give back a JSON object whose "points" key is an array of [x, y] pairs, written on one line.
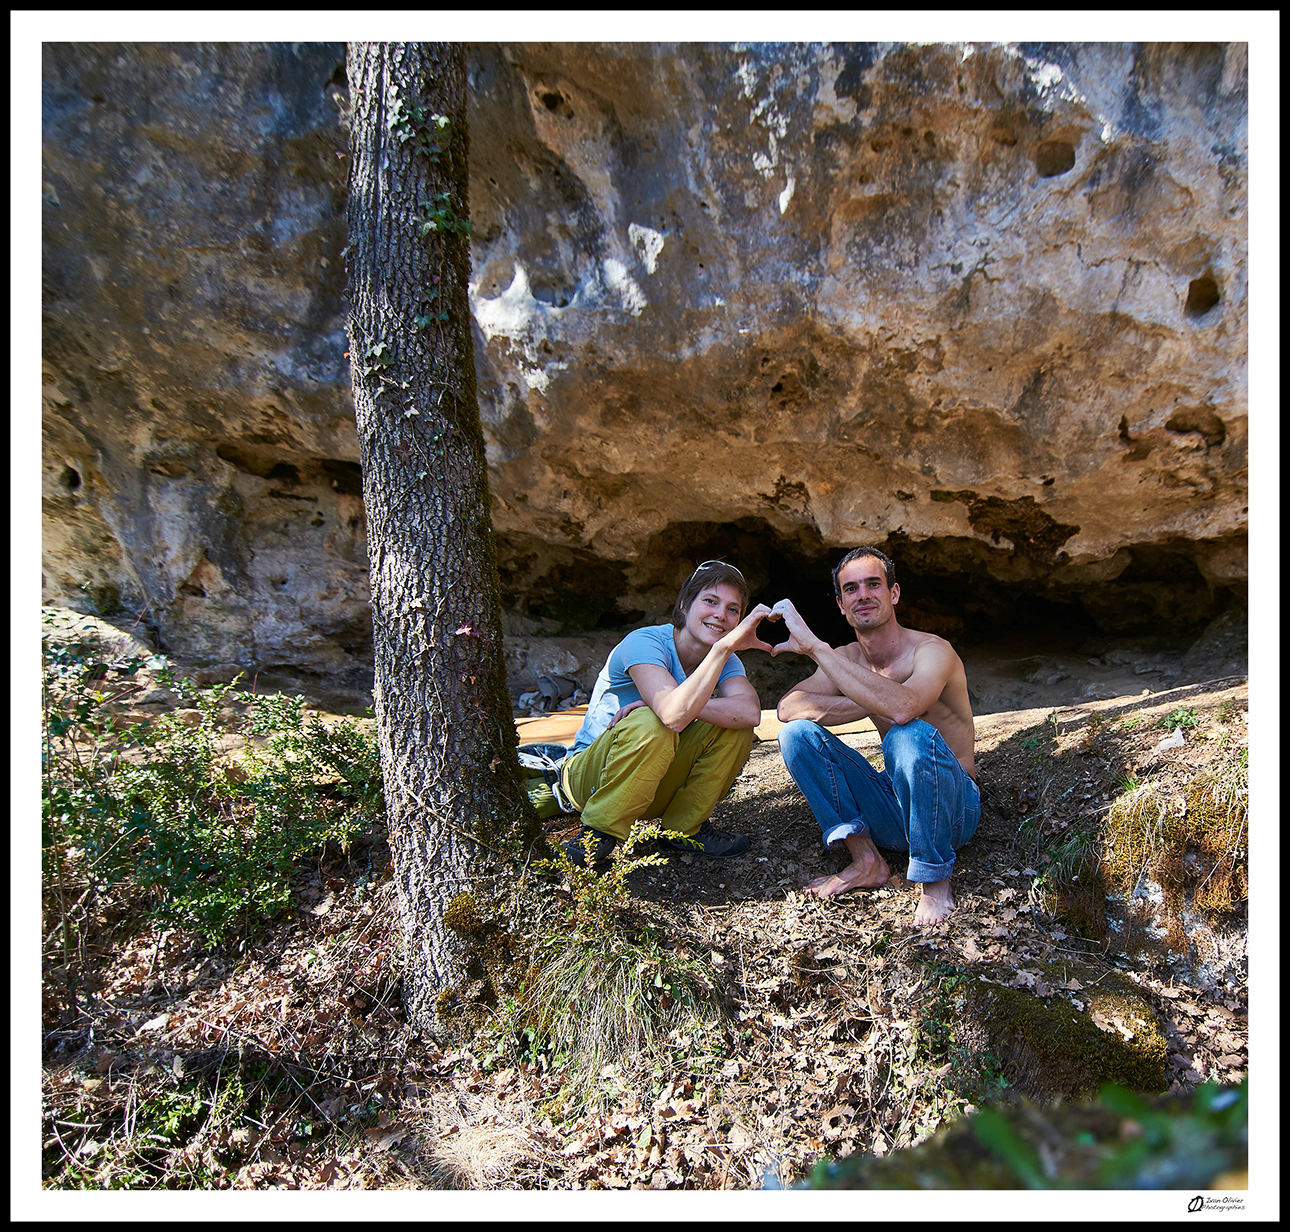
{"points": [[932, 913]]}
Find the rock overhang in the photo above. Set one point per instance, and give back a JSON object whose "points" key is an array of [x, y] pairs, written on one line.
{"points": [[715, 287]]}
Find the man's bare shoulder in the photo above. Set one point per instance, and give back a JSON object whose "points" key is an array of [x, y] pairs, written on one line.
{"points": [[916, 640]]}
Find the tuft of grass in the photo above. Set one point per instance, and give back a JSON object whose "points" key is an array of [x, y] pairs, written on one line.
{"points": [[1069, 883], [477, 1145], [605, 988]]}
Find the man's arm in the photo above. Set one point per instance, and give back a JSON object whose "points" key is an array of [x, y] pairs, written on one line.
{"points": [[875, 694], [817, 698]]}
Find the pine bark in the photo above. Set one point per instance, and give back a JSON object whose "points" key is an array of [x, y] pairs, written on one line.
{"points": [[447, 736]]}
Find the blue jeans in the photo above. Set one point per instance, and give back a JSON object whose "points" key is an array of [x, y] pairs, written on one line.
{"points": [[923, 802]]}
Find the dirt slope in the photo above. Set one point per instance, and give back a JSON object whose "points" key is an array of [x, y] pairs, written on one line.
{"points": [[837, 1033]]}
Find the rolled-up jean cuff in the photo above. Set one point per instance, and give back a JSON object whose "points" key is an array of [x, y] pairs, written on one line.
{"points": [[841, 831], [920, 871]]}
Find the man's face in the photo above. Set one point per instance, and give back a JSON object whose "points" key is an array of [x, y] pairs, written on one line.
{"points": [[867, 601], [715, 611]]}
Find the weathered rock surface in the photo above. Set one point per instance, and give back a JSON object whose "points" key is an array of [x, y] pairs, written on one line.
{"points": [[983, 304]]}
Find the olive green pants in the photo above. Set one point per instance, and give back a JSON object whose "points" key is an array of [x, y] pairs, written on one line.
{"points": [[640, 770]]}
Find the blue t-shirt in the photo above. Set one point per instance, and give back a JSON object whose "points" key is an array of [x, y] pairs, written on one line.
{"points": [[615, 688]]}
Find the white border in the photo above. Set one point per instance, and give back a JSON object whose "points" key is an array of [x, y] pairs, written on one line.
{"points": [[1260, 28]]}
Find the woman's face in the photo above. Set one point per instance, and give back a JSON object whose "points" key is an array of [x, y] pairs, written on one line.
{"points": [[715, 611]]}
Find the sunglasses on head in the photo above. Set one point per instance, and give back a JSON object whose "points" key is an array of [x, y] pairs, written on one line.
{"points": [[706, 563]]}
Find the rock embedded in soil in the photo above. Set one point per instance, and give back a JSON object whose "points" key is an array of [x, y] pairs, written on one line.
{"points": [[1065, 1028]]}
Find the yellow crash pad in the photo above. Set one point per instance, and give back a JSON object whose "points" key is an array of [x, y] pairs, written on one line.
{"points": [[561, 727]]}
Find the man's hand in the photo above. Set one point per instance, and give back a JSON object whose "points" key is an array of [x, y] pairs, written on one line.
{"points": [[744, 635], [800, 638]]}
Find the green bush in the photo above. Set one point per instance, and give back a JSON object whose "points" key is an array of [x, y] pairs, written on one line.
{"points": [[154, 812]]}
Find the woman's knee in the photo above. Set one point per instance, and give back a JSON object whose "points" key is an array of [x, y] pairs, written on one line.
{"points": [[742, 739], [644, 726], [732, 742]]}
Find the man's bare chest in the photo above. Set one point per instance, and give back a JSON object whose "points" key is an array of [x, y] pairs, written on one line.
{"points": [[898, 670]]}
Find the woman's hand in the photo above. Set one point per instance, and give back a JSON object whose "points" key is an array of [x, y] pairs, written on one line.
{"points": [[623, 711], [744, 635]]}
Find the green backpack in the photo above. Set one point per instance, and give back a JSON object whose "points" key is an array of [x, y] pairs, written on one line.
{"points": [[540, 766]]}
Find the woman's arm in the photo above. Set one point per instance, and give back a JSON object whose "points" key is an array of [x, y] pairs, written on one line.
{"points": [[678, 705]]}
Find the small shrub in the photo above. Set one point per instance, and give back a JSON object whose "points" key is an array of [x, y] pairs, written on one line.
{"points": [[1184, 716], [152, 817]]}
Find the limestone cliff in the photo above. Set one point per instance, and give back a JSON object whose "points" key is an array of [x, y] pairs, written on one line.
{"points": [[983, 304]]}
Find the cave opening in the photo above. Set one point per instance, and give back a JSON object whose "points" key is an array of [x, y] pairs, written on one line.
{"points": [[970, 592]]}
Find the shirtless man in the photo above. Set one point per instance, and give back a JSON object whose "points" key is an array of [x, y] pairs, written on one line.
{"points": [[912, 685]]}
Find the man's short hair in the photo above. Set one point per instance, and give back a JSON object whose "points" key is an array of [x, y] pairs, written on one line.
{"points": [[710, 573], [888, 565]]}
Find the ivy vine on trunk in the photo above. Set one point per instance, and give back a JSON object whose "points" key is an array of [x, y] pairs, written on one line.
{"points": [[456, 809]]}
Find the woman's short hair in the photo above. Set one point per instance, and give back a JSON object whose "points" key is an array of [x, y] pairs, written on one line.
{"points": [[710, 573]]}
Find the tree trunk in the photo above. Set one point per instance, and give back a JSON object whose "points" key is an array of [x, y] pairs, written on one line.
{"points": [[447, 735]]}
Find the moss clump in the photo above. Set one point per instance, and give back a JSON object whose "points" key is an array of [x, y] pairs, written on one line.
{"points": [[490, 968], [1055, 1041], [462, 915], [1192, 841]]}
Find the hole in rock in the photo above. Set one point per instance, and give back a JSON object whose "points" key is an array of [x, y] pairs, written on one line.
{"points": [[1199, 419], [1202, 295], [1054, 158], [344, 477], [70, 478], [284, 472]]}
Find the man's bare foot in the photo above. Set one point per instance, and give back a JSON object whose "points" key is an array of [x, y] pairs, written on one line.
{"points": [[866, 871], [935, 902]]}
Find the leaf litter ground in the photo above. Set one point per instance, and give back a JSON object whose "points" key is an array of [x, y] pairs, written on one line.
{"points": [[833, 1037]]}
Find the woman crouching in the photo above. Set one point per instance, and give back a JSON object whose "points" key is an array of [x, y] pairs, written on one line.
{"points": [[670, 723]]}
